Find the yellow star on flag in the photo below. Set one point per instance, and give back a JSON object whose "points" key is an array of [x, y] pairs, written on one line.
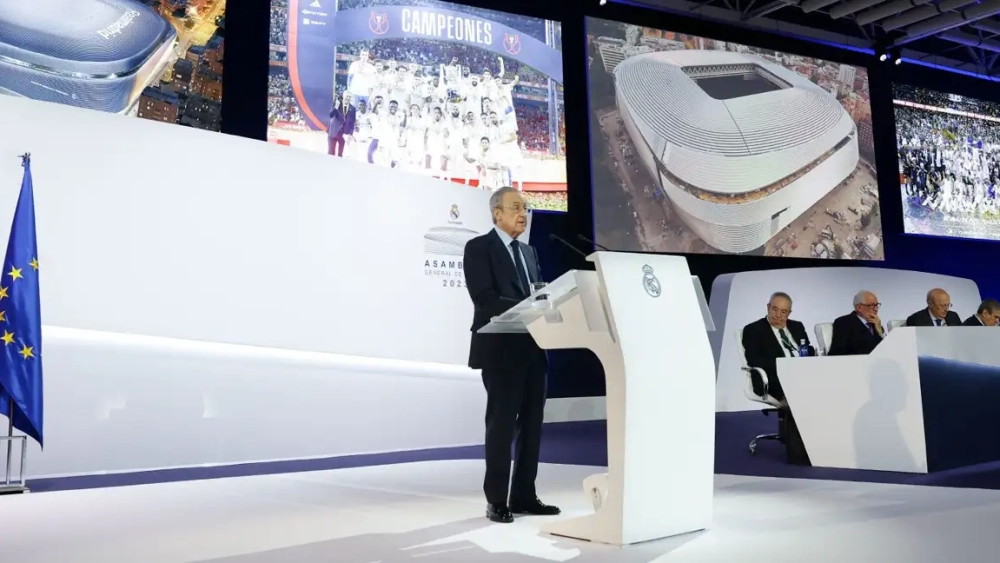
{"points": [[8, 338], [3, 316], [3, 293], [14, 273], [34, 264], [25, 352]]}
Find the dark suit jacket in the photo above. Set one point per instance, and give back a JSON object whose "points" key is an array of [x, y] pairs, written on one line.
{"points": [[923, 318], [972, 321], [762, 348], [851, 337], [492, 282]]}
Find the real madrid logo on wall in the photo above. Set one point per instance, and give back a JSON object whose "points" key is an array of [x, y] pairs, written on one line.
{"points": [[650, 282]]}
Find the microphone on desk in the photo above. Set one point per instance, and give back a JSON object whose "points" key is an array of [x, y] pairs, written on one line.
{"points": [[555, 237], [592, 243]]}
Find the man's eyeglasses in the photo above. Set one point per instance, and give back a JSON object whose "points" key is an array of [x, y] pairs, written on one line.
{"points": [[516, 208], [780, 312], [871, 305]]}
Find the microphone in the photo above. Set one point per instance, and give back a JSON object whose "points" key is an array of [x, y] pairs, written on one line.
{"points": [[588, 241], [555, 237]]}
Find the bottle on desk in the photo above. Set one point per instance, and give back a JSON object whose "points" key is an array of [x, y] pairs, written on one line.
{"points": [[803, 348]]}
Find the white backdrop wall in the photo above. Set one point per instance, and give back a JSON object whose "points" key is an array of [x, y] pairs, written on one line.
{"points": [[336, 285], [819, 295], [170, 231]]}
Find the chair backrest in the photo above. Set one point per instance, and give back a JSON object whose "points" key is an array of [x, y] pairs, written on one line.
{"points": [[894, 324], [824, 335], [748, 391], [739, 346]]}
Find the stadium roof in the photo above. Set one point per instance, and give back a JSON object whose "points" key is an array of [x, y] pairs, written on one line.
{"points": [[960, 34], [675, 108]]}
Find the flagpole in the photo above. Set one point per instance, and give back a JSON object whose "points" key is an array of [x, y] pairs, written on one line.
{"points": [[10, 440]]}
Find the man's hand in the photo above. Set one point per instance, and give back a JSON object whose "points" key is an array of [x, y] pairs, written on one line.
{"points": [[877, 322]]}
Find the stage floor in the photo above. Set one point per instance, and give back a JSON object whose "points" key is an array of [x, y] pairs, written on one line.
{"points": [[433, 512]]}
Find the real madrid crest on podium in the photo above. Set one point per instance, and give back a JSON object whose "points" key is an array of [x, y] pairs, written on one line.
{"points": [[650, 282]]}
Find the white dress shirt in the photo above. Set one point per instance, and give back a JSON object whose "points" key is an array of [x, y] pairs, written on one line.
{"points": [[507, 239], [934, 320]]}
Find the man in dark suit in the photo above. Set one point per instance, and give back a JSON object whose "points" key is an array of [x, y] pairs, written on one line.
{"points": [[937, 313], [859, 331], [988, 314], [341, 125], [499, 271], [772, 337]]}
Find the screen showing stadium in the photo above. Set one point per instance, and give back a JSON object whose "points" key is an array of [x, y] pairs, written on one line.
{"points": [[153, 59], [704, 146], [949, 163], [463, 94]]}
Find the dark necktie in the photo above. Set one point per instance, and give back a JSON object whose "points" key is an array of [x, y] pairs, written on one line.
{"points": [[937, 322], [871, 328], [785, 342], [522, 276]]}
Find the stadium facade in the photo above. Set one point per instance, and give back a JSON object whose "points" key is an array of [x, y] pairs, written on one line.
{"points": [[737, 163], [95, 54]]}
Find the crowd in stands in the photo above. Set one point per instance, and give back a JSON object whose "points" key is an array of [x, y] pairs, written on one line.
{"points": [[947, 101], [281, 104], [429, 53], [279, 22]]}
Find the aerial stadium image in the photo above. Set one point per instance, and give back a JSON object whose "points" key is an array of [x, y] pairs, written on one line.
{"points": [[705, 146], [153, 59], [463, 94], [949, 168]]}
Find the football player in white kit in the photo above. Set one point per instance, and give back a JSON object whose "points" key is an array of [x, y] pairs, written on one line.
{"points": [[437, 141], [364, 122], [492, 174], [456, 150], [378, 111], [507, 148], [415, 138], [391, 135], [361, 78]]}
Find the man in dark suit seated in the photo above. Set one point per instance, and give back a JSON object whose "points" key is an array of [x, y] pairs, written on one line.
{"points": [[859, 331], [988, 314], [772, 337], [499, 271], [937, 313]]}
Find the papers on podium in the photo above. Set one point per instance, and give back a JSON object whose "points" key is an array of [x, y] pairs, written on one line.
{"points": [[645, 320]]}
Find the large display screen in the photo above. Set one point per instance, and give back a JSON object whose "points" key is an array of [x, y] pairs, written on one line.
{"points": [[949, 170], [463, 94], [156, 59], [706, 146]]}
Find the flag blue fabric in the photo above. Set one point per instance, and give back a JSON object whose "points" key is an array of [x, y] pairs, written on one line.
{"points": [[21, 319]]}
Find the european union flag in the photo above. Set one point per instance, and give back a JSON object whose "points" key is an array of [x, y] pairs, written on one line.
{"points": [[21, 319]]}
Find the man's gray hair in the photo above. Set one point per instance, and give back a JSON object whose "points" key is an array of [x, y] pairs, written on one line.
{"points": [[496, 200], [859, 297], [782, 295]]}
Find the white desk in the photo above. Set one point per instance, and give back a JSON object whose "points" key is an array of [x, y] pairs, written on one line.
{"points": [[926, 399]]}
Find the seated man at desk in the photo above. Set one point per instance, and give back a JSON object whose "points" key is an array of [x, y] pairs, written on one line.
{"points": [[772, 337], [988, 314], [859, 331], [937, 313]]}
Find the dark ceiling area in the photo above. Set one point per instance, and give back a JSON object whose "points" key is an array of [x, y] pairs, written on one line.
{"points": [[959, 34]]}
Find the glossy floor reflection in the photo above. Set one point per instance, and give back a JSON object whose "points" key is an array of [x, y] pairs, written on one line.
{"points": [[432, 512]]}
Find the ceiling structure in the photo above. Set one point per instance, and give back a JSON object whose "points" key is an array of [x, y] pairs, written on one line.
{"points": [[960, 34]]}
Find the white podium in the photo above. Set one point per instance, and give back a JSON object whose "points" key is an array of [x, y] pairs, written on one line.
{"points": [[645, 320]]}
